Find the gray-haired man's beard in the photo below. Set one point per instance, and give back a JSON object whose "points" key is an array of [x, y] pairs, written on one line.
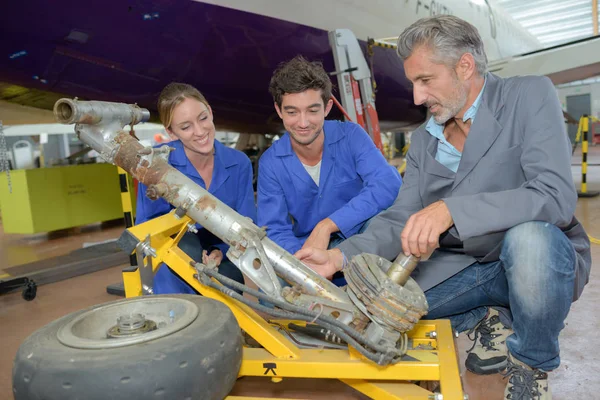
{"points": [[451, 108]]}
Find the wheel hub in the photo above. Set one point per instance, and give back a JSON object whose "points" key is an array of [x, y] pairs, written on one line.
{"points": [[132, 324], [395, 306], [137, 321]]}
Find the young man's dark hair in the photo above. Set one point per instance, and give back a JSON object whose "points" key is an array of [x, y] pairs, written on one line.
{"points": [[298, 75]]}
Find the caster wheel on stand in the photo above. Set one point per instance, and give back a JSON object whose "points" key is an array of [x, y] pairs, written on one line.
{"points": [[29, 291]]}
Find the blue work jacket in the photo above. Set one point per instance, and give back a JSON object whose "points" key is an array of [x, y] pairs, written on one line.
{"points": [[356, 183], [231, 183]]}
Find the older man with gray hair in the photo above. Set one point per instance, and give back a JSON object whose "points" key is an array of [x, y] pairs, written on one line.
{"points": [[488, 195]]}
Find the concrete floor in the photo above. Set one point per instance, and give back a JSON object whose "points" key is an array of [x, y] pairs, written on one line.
{"points": [[22, 249], [574, 379]]}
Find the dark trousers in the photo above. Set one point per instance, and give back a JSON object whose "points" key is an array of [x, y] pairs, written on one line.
{"points": [[167, 282]]}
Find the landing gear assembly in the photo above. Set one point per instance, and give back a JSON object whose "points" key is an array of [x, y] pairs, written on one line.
{"points": [[368, 334]]}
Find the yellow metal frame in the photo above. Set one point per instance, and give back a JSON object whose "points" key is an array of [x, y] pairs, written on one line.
{"points": [[127, 197], [432, 358], [585, 123]]}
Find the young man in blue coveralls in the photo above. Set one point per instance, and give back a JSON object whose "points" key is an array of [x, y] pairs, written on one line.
{"points": [[323, 180]]}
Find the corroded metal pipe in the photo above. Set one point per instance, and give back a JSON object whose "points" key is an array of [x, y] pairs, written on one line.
{"points": [[69, 111], [99, 124]]}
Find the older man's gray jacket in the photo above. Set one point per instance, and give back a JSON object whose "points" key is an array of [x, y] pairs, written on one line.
{"points": [[515, 167]]}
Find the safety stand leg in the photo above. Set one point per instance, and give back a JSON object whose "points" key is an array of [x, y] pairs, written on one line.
{"points": [[584, 164]]}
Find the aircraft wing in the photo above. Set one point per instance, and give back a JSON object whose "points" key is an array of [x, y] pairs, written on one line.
{"points": [[564, 63]]}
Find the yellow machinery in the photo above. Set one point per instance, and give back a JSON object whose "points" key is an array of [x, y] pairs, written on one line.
{"points": [[431, 356], [50, 199]]}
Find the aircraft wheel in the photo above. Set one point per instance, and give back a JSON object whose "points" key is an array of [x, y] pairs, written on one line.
{"points": [[152, 347]]}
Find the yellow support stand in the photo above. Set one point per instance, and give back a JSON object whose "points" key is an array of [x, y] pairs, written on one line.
{"points": [[128, 203], [432, 356], [584, 128], [127, 197], [582, 133]]}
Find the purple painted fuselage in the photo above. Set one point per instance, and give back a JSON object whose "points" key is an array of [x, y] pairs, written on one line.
{"points": [[127, 51]]}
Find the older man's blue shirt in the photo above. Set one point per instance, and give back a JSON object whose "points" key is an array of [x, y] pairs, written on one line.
{"points": [[447, 155]]}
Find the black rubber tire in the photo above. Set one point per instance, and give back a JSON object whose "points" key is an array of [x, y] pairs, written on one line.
{"points": [[29, 291], [201, 361]]}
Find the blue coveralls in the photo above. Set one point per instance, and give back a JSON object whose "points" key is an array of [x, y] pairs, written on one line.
{"points": [[231, 183], [355, 184]]}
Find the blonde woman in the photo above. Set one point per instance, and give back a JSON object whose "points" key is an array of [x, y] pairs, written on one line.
{"points": [[226, 174]]}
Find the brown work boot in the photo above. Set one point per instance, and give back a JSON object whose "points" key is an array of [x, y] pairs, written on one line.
{"points": [[525, 383], [489, 353]]}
